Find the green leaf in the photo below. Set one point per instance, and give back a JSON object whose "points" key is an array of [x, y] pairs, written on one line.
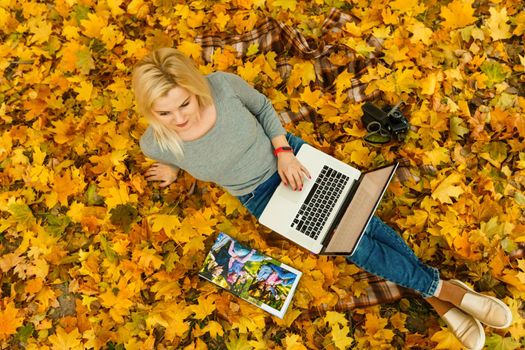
{"points": [[169, 261], [495, 72], [25, 332], [123, 215], [108, 251], [497, 151], [508, 245], [92, 196], [85, 62], [56, 225], [22, 215], [497, 342], [80, 12], [519, 198], [457, 128]]}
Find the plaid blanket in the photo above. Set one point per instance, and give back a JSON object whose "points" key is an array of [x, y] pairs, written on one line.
{"points": [[288, 42]]}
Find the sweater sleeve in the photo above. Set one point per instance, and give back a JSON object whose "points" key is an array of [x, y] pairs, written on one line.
{"points": [[258, 104]]}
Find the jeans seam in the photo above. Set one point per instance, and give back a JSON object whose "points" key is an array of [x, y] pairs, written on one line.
{"points": [[252, 195]]}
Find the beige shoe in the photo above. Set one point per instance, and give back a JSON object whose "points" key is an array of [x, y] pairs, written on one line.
{"points": [[466, 328], [489, 310]]}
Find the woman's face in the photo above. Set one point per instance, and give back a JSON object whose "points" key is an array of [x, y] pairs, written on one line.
{"points": [[179, 110]]}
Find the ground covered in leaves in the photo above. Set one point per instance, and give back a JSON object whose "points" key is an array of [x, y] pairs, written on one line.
{"points": [[92, 256]]}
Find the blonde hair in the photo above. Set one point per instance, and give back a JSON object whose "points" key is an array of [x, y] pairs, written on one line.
{"points": [[154, 76]]}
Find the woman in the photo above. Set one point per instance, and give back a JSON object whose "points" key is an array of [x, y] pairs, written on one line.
{"points": [[220, 129]]}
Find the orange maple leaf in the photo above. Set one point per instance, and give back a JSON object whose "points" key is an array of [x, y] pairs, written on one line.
{"points": [[9, 320]]}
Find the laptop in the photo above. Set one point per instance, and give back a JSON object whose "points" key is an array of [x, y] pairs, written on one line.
{"points": [[331, 213]]}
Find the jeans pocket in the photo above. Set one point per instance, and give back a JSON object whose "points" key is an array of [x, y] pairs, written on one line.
{"points": [[246, 198]]}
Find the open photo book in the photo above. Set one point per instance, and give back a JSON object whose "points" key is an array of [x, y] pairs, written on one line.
{"points": [[250, 275]]}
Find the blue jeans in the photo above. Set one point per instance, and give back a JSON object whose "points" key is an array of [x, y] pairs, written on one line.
{"points": [[381, 250]]}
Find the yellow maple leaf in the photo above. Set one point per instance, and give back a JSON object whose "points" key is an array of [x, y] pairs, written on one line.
{"points": [[405, 80], [420, 32], [497, 24], [294, 342], [457, 14], [204, 307], [46, 297], [302, 74], [410, 6], [428, 84], [195, 19], [446, 340], [67, 185], [214, 328], [38, 268], [312, 98], [5, 18], [84, 91], [9, 319], [240, 342], [41, 30], [118, 195], [138, 8], [196, 244], [230, 203], [252, 49], [63, 340], [343, 81], [70, 32], [117, 303], [418, 219], [202, 221], [448, 188], [437, 155], [114, 6], [169, 223], [111, 36], [340, 337], [147, 257], [221, 20], [389, 16], [285, 4], [135, 48], [334, 317], [381, 32], [249, 71], [396, 54], [190, 49], [93, 25], [358, 153]]}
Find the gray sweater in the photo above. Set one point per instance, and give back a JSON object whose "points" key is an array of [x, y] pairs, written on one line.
{"points": [[236, 153]]}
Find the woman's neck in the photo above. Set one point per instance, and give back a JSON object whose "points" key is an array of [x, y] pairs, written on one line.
{"points": [[207, 120]]}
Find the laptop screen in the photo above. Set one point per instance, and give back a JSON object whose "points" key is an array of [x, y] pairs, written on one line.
{"points": [[359, 211]]}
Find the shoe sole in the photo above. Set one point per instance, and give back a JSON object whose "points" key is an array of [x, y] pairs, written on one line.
{"points": [[499, 302]]}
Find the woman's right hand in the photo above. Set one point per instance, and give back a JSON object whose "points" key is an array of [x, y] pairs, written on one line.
{"points": [[162, 172]]}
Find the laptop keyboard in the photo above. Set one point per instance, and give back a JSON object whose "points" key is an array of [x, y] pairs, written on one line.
{"points": [[320, 201]]}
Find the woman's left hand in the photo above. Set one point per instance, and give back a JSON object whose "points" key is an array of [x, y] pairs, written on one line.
{"points": [[291, 171]]}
